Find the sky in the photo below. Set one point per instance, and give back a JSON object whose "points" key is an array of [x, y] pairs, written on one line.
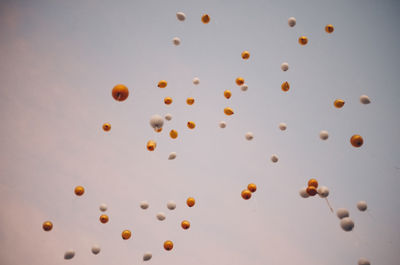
{"points": [[60, 61]]}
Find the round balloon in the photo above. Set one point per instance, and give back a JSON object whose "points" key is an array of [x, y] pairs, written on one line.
{"points": [[274, 158], [196, 81], [228, 111], [363, 261], [364, 99], [168, 245], [126, 234], [172, 156], [284, 67], [144, 205], [347, 224], [162, 84], [324, 135], [362, 206], [151, 145], [249, 136], [252, 187], [47, 226], [285, 86], [120, 92], [171, 205], [329, 28], [191, 125], [180, 16], [79, 190], [303, 193], [222, 124], [104, 218], [244, 87], [323, 192], [311, 190], [190, 101], [313, 182], [246, 194], [173, 134], [356, 140], [103, 207], [227, 94], [96, 249], [190, 202], [69, 254], [147, 256], [342, 213], [161, 216], [185, 224], [156, 121], [176, 41], [292, 22], [245, 55], [168, 101], [239, 81], [282, 126], [303, 40], [106, 127], [168, 116], [338, 103]]}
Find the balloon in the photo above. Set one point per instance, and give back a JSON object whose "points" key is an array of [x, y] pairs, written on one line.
{"points": [[144, 205], [356, 140], [323, 135], [246, 194], [106, 127], [362, 206], [180, 16], [364, 99], [303, 193], [342, 213], [274, 158], [172, 156], [185, 224], [285, 66], [252, 187], [173, 134], [96, 249], [313, 182], [147, 256], [205, 19], [171, 205], [222, 124], [285, 86], [151, 145], [323, 192], [347, 224], [161, 216], [303, 40], [190, 202], [167, 100], [176, 41], [282, 126], [196, 81], [329, 28], [156, 121], [69, 254], [47, 226], [245, 55], [292, 22], [168, 245], [249, 136], [227, 94], [244, 87], [190, 101], [239, 81], [338, 103], [158, 130], [103, 207], [162, 84], [311, 190], [191, 125], [103, 218], [126, 234], [79, 190], [168, 117], [228, 111], [120, 92], [363, 261]]}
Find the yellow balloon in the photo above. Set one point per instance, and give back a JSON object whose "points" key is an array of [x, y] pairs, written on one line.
{"points": [[151, 145], [167, 100], [303, 40], [120, 92], [47, 226], [245, 55], [168, 245], [173, 134], [285, 86], [185, 224], [191, 125], [338, 103], [190, 101], [228, 111], [227, 94], [126, 234], [239, 81], [162, 84], [79, 190], [329, 28], [205, 18], [190, 202], [106, 127]]}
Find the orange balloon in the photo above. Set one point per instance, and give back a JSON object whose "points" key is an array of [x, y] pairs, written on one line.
{"points": [[303, 40], [311, 190], [313, 182], [191, 125], [246, 194], [252, 187], [162, 84], [228, 111], [245, 55], [329, 28], [120, 92], [239, 81], [338, 103], [185, 224], [356, 140], [106, 127], [158, 130], [126, 234], [173, 134], [190, 202], [227, 94], [285, 86], [151, 145], [190, 101], [104, 218], [205, 19], [47, 226], [168, 245], [167, 100], [79, 190]]}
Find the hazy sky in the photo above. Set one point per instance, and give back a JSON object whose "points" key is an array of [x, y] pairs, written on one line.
{"points": [[59, 62]]}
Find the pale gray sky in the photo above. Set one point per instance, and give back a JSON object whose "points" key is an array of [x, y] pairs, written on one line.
{"points": [[59, 62]]}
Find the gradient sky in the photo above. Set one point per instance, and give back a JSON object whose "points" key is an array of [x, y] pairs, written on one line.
{"points": [[59, 62]]}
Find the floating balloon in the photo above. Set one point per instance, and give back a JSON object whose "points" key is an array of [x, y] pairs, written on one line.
{"points": [[323, 135], [282, 126], [244, 87], [364, 99], [313, 182], [103, 218], [323, 192], [362, 206], [338, 103], [190, 101], [151, 145], [180, 16], [239, 81], [311, 190], [185, 224], [342, 213], [347, 224], [158, 130], [69, 254], [172, 156], [196, 81], [126, 234], [191, 125], [147, 256], [252, 187], [285, 86], [162, 84], [284, 67], [303, 193], [167, 100], [246, 194], [249, 136], [356, 140], [363, 261], [103, 207], [144, 205], [329, 28], [156, 121], [171, 205], [96, 249], [303, 40], [106, 127], [227, 94], [205, 19], [47, 226], [168, 245], [190, 202], [245, 55], [292, 22], [274, 158], [228, 111], [173, 134], [120, 92], [222, 124], [161, 216], [176, 41], [168, 117], [79, 190]]}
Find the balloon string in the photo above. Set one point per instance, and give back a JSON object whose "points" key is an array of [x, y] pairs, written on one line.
{"points": [[329, 205]]}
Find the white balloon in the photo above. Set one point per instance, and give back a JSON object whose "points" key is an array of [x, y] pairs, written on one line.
{"points": [[282, 126], [285, 66], [274, 158], [347, 224], [147, 256], [161, 216], [168, 116], [324, 135], [342, 213], [171, 205], [96, 249], [176, 41], [196, 81], [156, 121], [249, 136], [323, 192], [244, 87], [292, 22], [222, 124], [144, 205], [363, 261], [69, 254], [180, 16], [303, 193], [172, 156], [103, 207], [362, 206], [364, 99]]}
